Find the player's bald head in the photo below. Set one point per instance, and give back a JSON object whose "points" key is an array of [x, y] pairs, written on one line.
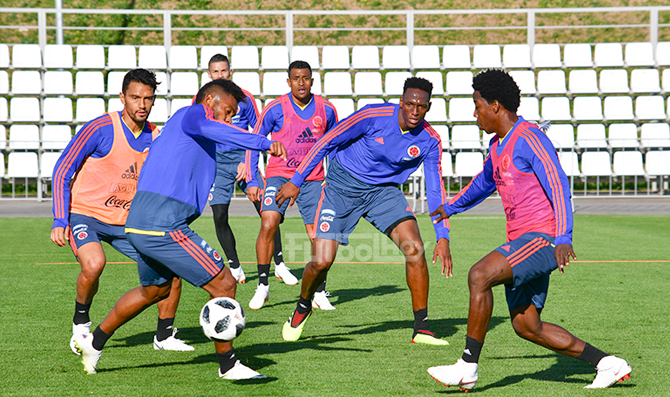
{"points": [[219, 88]]}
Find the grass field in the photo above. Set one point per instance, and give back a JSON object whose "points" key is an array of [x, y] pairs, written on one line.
{"points": [[363, 347]]}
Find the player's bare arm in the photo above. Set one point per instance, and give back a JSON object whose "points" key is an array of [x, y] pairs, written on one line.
{"points": [[59, 235], [562, 253], [442, 251], [286, 191]]}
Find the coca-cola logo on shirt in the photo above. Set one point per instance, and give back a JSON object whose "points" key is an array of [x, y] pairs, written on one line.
{"points": [[292, 163], [113, 201]]}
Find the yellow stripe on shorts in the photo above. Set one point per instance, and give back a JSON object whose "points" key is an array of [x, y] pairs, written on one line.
{"points": [[145, 232]]}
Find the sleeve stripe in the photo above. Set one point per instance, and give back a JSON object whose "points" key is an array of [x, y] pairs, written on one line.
{"points": [[332, 107], [443, 191], [266, 110], [554, 181], [252, 101]]}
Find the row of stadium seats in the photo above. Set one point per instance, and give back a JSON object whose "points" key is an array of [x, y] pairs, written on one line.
{"points": [[519, 56]]}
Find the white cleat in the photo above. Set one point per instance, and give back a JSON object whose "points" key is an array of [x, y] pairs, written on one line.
{"points": [[79, 329], [461, 374], [321, 301], [282, 272], [172, 343], [611, 369], [239, 275], [260, 297], [89, 356], [240, 371]]}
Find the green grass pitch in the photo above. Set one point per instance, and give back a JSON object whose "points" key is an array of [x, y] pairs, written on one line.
{"points": [[361, 349]]}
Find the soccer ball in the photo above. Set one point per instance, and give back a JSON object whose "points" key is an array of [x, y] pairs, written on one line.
{"points": [[222, 319]]}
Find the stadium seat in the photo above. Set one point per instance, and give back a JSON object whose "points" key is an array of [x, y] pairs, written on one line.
{"points": [[4, 82], [608, 55], [90, 83], [562, 136], [577, 55], [58, 110], [655, 135], [344, 106], [56, 137], [159, 112], [178, 103], [516, 56], [658, 162], [337, 83], [3, 140], [583, 82], [115, 105], [650, 107], [152, 57], [90, 56], [115, 83], [447, 165], [459, 83], [47, 163], [24, 137], [547, 56], [58, 83], [456, 57], [22, 165], [4, 58], [623, 135], [162, 88], [365, 57], [425, 57], [58, 56], [368, 83], [184, 84], [26, 56], [274, 84], [434, 77], [666, 81], [307, 53], [2, 165], [469, 164], [204, 79], [443, 131], [316, 85], [26, 82], [395, 57], [274, 57], [465, 137], [4, 114], [618, 108], [250, 81], [645, 80], [335, 57], [614, 81], [367, 101], [551, 82], [438, 110], [89, 109], [663, 53], [588, 108], [244, 57], [122, 57], [24, 109], [486, 56], [529, 108], [525, 79], [183, 57], [596, 164], [591, 136], [569, 163], [640, 54], [556, 108], [460, 109], [208, 51], [628, 163], [395, 81]]}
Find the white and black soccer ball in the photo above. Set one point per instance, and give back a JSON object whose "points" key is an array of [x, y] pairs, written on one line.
{"points": [[222, 319]]}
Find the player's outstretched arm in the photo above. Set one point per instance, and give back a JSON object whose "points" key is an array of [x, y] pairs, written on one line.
{"points": [[277, 149], [442, 251], [285, 192], [59, 235], [562, 253]]}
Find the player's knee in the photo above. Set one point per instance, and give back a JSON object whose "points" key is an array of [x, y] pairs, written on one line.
{"points": [[412, 249], [92, 268], [155, 293], [526, 331], [477, 277], [268, 227]]}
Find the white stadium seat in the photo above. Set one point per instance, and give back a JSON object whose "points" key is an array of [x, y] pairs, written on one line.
{"points": [[588, 108], [183, 57], [577, 55], [556, 108], [639, 54], [56, 137], [486, 56], [469, 164], [516, 56], [529, 108], [24, 109], [4, 82], [446, 165], [395, 81], [184, 84], [204, 79], [456, 57], [461, 109], [395, 57], [618, 108], [152, 57], [90, 56], [658, 162], [159, 112], [663, 53], [562, 136], [24, 137], [443, 131], [27, 56], [623, 135], [58, 110], [250, 81], [569, 163], [90, 83], [89, 109], [114, 105], [274, 84], [666, 80], [344, 106], [58, 83], [465, 137], [365, 57], [434, 77], [525, 79], [628, 163], [650, 107], [438, 110], [426, 57], [583, 82], [368, 101], [47, 163], [3, 139], [368, 83], [4, 57], [208, 51], [316, 85], [2, 165], [596, 164], [459, 83], [122, 57], [337, 83], [608, 55], [244, 57], [547, 56], [551, 82], [307, 53], [591, 136], [115, 82], [645, 80], [655, 135], [4, 114], [335, 57], [26, 82], [162, 88], [178, 103], [58, 56], [22, 165], [274, 57], [614, 81]]}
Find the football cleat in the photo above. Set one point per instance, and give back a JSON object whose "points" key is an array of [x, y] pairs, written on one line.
{"points": [[239, 275], [261, 296], [291, 332], [240, 371], [611, 369], [89, 355], [172, 343], [282, 272], [321, 301], [428, 338], [461, 374], [79, 329]]}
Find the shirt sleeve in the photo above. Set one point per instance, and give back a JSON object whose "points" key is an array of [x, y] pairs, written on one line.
{"points": [[265, 125], [437, 195], [479, 188]]}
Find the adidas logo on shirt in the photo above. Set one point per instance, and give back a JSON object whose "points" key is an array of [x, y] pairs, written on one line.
{"points": [[306, 137], [132, 172]]}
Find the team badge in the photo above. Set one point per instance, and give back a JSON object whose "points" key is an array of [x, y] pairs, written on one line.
{"points": [[268, 201], [505, 162], [324, 226], [82, 235], [209, 198], [413, 151], [317, 121], [216, 255]]}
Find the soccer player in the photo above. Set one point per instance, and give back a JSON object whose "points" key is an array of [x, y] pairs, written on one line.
{"points": [[94, 182], [228, 162], [523, 166], [371, 153], [297, 119], [171, 193]]}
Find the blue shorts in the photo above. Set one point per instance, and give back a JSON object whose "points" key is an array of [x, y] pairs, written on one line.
{"points": [[531, 257], [345, 200], [226, 172], [86, 229], [180, 252], [307, 200]]}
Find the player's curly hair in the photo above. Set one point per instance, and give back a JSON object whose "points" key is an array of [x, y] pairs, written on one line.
{"points": [[498, 85], [299, 65], [224, 85], [143, 76], [419, 83]]}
